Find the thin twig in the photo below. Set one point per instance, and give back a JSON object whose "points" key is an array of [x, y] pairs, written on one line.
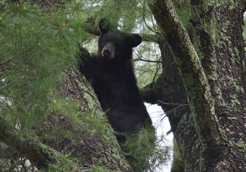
{"points": [[156, 73], [171, 111], [138, 59], [175, 104]]}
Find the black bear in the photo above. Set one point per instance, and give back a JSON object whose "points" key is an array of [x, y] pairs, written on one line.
{"points": [[111, 74]]}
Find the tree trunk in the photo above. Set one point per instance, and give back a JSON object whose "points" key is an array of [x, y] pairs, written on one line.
{"points": [[212, 136], [63, 138], [99, 148]]}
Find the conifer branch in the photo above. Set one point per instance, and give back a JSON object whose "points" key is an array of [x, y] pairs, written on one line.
{"points": [[36, 152], [94, 31]]}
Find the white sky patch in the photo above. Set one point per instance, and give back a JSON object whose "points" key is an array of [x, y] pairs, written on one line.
{"points": [[6, 102], [162, 127]]}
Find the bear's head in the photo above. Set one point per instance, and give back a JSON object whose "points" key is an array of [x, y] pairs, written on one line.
{"points": [[115, 45]]}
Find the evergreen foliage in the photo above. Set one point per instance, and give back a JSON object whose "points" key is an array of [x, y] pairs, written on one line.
{"points": [[37, 48], [143, 152]]}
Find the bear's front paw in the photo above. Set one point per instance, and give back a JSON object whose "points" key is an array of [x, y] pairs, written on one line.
{"points": [[83, 55]]}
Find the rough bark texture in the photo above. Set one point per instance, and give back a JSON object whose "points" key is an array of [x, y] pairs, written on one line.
{"points": [[213, 137], [231, 75], [61, 136], [95, 149], [192, 74], [170, 90]]}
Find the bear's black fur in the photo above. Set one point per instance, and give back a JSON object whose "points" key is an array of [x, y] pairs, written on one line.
{"points": [[111, 74]]}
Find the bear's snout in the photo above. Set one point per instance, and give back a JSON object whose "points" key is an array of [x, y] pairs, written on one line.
{"points": [[108, 51]]}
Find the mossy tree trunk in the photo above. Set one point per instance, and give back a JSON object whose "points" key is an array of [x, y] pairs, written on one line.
{"points": [[95, 143], [66, 142], [210, 131]]}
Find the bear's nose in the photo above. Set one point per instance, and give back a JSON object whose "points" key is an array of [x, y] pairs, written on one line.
{"points": [[106, 52]]}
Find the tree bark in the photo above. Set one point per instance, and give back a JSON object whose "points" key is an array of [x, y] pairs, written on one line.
{"points": [[211, 138], [100, 148], [90, 145]]}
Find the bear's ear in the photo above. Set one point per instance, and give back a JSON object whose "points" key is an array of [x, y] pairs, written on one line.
{"points": [[135, 40], [104, 26]]}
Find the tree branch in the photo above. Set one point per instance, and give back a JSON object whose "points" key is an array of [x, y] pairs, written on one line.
{"points": [[149, 61], [192, 73], [33, 150], [94, 31]]}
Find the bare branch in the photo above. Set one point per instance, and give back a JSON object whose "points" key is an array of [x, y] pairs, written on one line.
{"points": [[152, 61], [174, 104]]}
